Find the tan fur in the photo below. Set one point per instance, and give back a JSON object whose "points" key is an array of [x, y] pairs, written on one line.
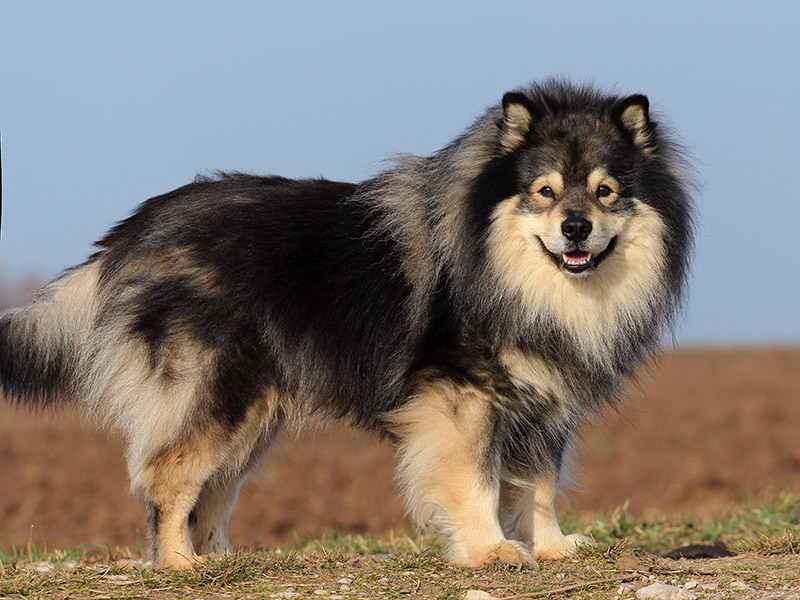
{"points": [[529, 506], [591, 309], [599, 177], [209, 531], [442, 432], [203, 471], [172, 481], [634, 119], [527, 369], [514, 553], [516, 123], [552, 180], [125, 392]]}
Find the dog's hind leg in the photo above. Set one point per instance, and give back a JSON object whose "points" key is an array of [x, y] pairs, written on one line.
{"points": [[199, 470], [447, 475], [170, 483], [208, 521]]}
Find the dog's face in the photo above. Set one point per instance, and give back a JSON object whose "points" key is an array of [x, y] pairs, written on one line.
{"points": [[574, 239], [574, 219], [576, 179]]}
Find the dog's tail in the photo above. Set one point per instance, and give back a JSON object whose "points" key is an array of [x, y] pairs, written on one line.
{"points": [[43, 345]]}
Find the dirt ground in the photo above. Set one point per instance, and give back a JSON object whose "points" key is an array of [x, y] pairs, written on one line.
{"points": [[705, 428]]}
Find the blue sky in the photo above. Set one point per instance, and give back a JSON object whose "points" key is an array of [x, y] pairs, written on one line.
{"points": [[104, 104]]}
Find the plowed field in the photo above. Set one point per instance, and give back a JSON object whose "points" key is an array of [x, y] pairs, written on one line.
{"points": [[704, 429]]}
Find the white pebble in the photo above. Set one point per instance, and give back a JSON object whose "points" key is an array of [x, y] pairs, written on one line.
{"points": [[345, 580], [478, 595], [662, 591], [742, 585]]}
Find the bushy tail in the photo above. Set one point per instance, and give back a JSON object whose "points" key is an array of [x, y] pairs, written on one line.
{"points": [[41, 345]]}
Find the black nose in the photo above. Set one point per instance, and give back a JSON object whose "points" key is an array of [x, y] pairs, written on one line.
{"points": [[576, 229]]}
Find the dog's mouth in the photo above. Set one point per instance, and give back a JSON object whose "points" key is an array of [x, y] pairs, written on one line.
{"points": [[578, 262]]}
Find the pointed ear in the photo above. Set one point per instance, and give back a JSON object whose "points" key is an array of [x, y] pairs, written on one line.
{"points": [[517, 118], [632, 114]]}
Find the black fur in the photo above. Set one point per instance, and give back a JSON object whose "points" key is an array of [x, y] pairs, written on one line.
{"points": [[30, 377], [317, 299]]}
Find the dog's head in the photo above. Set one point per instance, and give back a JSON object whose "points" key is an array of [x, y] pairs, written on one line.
{"points": [[577, 175], [580, 218]]}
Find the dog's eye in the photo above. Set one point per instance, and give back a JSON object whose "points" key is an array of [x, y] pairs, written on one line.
{"points": [[603, 191], [547, 192]]}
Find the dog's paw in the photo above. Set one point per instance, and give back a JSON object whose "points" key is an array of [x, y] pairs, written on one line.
{"points": [[562, 546], [514, 554], [178, 562]]}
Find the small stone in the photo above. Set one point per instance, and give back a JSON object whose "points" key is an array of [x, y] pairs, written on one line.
{"points": [[690, 585], [344, 588], [40, 567], [321, 592], [69, 565], [662, 591], [708, 587], [345, 580], [742, 585], [381, 556], [287, 594], [625, 588], [478, 595], [337, 597]]}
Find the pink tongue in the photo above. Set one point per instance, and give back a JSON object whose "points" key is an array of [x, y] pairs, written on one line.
{"points": [[577, 257]]}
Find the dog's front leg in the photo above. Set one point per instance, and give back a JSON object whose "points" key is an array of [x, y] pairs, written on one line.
{"points": [[531, 506], [447, 476]]}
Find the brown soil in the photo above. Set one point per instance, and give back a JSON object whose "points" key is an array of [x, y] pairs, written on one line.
{"points": [[705, 429]]}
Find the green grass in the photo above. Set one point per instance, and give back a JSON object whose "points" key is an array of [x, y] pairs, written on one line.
{"points": [[408, 563], [755, 524]]}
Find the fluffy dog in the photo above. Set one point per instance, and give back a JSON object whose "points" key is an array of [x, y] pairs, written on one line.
{"points": [[473, 306]]}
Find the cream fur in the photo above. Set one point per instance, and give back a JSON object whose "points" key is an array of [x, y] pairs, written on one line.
{"points": [[594, 309]]}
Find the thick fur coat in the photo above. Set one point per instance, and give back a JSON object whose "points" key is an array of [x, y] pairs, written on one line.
{"points": [[473, 306]]}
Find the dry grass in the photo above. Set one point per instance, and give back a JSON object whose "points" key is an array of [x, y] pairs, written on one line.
{"points": [[407, 564]]}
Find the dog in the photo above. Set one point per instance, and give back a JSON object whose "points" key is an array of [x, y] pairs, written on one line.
{"points": [[473, 307]]}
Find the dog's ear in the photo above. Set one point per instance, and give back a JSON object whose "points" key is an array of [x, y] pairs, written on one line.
{"points": [[632, 115], [518, 114]]}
